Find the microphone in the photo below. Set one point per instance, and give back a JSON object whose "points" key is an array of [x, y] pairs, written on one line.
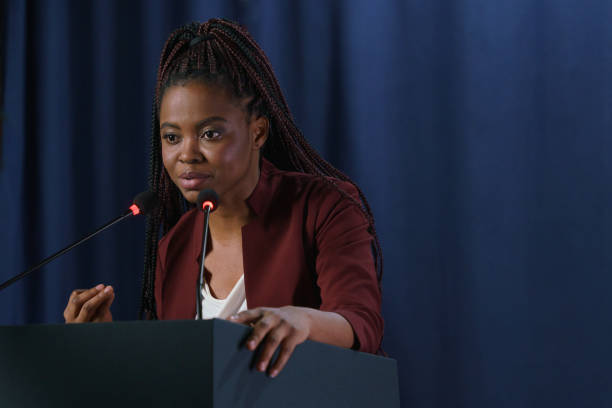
{"points": [[208, 200], [144, 203]]}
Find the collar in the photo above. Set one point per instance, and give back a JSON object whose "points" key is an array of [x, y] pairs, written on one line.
{"points": [[258, 202], [260, 198]]}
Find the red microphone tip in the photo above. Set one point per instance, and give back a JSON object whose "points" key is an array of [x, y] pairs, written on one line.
{"points": [[208, 204], [135, 209]]}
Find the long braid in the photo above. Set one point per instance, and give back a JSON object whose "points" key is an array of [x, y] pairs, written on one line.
{"points": [[222, 52], [153, 221]]}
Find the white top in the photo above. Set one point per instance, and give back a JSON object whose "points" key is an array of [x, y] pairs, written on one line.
{"points": [[223, 308]]}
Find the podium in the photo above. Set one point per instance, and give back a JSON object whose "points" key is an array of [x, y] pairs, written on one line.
{"points": [[179, 364]]}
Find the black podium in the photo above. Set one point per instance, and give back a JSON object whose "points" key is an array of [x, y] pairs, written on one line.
{"points": [[179, 364]]}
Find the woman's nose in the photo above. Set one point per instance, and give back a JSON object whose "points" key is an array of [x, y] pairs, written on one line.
{"points": [[190, 150]]}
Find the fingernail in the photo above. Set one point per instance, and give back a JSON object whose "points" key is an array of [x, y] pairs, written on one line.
{"points": [[251, 344], [262, 367], [233, 317], [99, 287], [108, 289], [274, 373]]}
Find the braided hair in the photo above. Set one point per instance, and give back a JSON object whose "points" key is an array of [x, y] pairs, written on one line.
{"points": [[221, 52]]}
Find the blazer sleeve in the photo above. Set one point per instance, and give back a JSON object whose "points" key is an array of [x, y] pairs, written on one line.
{"points": [[346, 273]]}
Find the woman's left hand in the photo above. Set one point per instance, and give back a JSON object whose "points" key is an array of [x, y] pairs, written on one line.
{"points": [[283, 327]]}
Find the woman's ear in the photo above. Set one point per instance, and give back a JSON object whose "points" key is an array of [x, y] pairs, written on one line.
{"points": [[259, 129]]}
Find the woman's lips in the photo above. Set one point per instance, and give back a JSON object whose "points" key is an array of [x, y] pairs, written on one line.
{"points": [[193, 181]]}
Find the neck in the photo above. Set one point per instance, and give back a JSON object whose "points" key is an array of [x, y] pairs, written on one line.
{"points": [[233, 212], [230, 217]]}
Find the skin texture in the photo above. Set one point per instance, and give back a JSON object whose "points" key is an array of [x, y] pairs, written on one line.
{"points": [[90, 305], [206, 132], [208, 141]]}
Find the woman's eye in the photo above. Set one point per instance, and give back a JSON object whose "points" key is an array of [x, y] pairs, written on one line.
{"points": [[170, 138], [210, 135]]}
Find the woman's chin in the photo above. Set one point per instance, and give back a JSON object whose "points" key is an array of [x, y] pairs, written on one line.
{"points": [[191, 196]]}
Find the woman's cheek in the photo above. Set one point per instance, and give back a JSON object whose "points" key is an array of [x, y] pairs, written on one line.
{"points": [[168, 157]]}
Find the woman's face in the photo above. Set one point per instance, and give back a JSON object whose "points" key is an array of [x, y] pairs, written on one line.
{"points": [[208, 141]]}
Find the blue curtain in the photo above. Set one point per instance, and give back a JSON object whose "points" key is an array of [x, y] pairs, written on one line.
{"points": [[480, 131]]}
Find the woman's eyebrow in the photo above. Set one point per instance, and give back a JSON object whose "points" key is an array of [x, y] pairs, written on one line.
{"points": [[211, 119], [201, 123], [170, 125]]}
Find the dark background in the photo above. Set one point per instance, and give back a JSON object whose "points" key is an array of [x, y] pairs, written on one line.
{"points": [[3, 10], [480, 130]]}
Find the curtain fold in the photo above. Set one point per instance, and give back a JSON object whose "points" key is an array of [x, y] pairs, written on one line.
{"points": [[480, 131]]}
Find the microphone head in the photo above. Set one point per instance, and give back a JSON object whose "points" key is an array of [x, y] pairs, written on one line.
{"points": [[145, 203], [208, 198]]}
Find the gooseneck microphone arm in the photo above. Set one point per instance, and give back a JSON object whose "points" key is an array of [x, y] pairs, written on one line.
{"points": [[143, 203], [201, 274], [63, 251], [207, 202]]}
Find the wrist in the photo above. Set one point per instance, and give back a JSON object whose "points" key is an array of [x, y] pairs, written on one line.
{"points": [[327, 327], [309, 319]]}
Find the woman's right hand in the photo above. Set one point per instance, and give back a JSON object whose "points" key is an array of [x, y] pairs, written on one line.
{"points": [[90, 305]]}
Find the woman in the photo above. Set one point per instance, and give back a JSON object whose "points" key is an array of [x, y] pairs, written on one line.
{"points": [[293, 248]]}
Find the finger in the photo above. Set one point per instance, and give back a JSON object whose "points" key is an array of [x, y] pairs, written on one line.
{"points": [[77, 298], [270, 344], [75, 293], [104, 308], [85, 295], [247, 316], [69, 310], [111, 298], [286, 349], [261, 329], [91, 307]]}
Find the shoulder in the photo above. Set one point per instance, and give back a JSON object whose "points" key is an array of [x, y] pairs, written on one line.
{"points": [[318, 201], [313, 188]]}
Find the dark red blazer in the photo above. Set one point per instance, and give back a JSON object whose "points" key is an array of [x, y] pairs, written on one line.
{"points": [[308, 245]]}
